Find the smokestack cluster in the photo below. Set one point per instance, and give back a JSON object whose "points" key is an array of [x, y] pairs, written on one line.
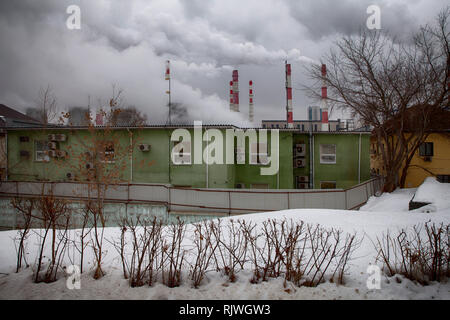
{"points": [[250, 101], [324, 105], [289, 115]]}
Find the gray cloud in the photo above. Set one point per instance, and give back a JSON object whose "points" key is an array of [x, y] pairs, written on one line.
{"points": [[127, 43]]}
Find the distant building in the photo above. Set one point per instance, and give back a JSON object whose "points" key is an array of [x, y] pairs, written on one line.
{"points": [[302, 125], [10, 118], [431, 159], [78, 116]]}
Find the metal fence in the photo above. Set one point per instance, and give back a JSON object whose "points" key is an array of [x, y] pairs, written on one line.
{"points": [[219, 202]]}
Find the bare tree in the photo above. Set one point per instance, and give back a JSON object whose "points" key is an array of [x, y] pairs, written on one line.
{"points": [[398, 89], [46, 110]]}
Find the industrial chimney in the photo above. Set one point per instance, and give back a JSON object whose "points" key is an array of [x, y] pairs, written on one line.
{"points": [[231, 96], [324, 104], [289, 115], [236, 90], [250, 101]]}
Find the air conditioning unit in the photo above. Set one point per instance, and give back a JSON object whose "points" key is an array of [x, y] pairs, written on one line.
{"points": [[52, 153], [299, 163], [52, 145], [60, 137], [302, 178], [144, 147], [299, 150], [51, 137], [89, 165], [70, 176], [240, 186], [61, 153], [302, 186]]}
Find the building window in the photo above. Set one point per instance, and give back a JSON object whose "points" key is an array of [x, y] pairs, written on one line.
{"points": [[303, 127], [258, 153], [278, 126], [426, 149], [264, 126], [327, 184], [181, 153], [443, 178], [328, 153], [108, 155], [315, 127], [41, 153]]}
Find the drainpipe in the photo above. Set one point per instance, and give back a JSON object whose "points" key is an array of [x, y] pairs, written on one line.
{"points": [[6, 148], [207, 159], [312, 163], [131, 154], [359, 159]]}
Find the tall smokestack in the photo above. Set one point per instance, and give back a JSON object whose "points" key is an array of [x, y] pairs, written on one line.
{"points": [[231, 96], [289, 115], [324, 104], [250, 101], [236, 90]]}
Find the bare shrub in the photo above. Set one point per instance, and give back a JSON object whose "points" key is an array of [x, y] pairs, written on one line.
{"points": [[143, 238], [329, 250], [231, 250], [303, 254], [55, 219], [25, 208], [420, 254], [173, 254], [84, 232], [204, 249]]}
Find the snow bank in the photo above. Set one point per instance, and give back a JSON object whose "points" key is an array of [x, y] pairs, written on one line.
{"points": [[396, 201], [388, 211], [435, 193]]}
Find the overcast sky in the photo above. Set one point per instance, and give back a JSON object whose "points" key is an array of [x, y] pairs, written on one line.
{"points": [[127, 42]]}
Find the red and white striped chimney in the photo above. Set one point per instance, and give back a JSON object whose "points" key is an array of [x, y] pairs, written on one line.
{"points": [[324, 104], [289, 115], [167, 77], [250, 101], [231, 96], [236, 90]]}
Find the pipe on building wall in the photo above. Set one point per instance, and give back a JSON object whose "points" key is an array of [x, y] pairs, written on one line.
{"points": [[207, 159], [6, 148], [359, 159], [131, 154], [311, 163]]}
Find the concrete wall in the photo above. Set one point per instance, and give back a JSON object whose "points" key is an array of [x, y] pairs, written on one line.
{"points": [[188, 203]]}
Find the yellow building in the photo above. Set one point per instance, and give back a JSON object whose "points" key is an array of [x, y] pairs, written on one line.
{"points": [[431, 159]]}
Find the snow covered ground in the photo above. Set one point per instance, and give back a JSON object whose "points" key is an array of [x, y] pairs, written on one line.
{"points": [[389, 211]]}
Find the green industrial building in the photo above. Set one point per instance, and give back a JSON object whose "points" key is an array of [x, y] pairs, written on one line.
{"points": [[307, 160]]}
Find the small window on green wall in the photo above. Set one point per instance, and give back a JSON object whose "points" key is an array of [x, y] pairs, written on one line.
{"points": [[41, 149], [328, 153]]}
